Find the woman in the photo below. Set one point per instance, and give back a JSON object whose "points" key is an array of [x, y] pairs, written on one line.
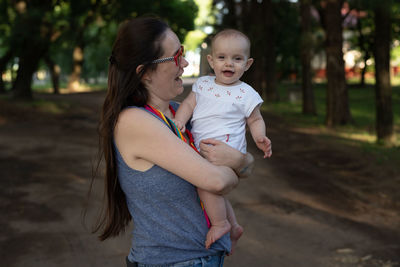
{"points": [[151, 175]]}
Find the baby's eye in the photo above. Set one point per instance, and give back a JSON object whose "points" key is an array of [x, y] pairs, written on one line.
{"points": [[221, 57], [238, 58]]}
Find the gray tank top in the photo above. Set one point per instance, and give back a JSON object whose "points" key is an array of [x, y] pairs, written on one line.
{"points": [[168, 223]]}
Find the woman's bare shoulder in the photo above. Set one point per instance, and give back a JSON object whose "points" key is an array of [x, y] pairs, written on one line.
{"points": [[135, 123], [136, 118], [131, 112]]}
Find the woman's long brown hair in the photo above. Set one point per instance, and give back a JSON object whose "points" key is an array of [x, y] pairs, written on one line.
{"points": [[138, 42]]}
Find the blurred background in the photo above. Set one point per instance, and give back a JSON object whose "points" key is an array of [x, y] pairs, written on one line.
{"points": [[319, 54]]}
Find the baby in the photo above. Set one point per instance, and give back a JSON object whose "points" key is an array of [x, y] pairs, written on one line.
{"points": [[220, 107]]}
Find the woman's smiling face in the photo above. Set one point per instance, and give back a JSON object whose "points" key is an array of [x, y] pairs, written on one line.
{"points": [[165, 82]]}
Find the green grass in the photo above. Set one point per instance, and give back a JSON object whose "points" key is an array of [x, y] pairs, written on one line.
{"points": [[362, 108], [395, 80], [48, 87]]}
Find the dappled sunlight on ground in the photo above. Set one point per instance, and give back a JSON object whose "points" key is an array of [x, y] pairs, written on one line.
{"points": [[348, 135]]}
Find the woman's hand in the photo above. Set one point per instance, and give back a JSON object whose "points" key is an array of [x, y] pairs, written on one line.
{"points": [[221, 154]]}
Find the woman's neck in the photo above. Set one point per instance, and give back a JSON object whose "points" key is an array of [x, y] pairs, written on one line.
{"points": [[162, 106]]}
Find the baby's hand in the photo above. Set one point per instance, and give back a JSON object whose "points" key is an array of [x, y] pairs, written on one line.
{"points": [[264, 144], [180, 125]]}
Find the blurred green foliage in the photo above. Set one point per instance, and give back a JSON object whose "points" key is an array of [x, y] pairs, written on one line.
{"points": [[362, 107], [90, 24]]}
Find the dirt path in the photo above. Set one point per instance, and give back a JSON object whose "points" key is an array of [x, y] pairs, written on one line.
{"points": [[314, 203]]}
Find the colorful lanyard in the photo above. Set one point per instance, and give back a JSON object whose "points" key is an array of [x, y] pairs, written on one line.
{"points": [[172, 125], [178, 133]]}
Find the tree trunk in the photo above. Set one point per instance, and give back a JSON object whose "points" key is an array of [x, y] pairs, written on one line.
{"points": [[305, 47], [32, 45], [231, 18], [271, 91], [255, 27], [3, 64], [383, 89], [28, 64], [251, 25], [80, 44], [77, 63], [361, 43], [54, 73], [245, 19], [364, 69], [337, 109]]}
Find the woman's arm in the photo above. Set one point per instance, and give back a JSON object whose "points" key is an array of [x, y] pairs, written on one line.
{"points": [[140, 136], [221, 154]]}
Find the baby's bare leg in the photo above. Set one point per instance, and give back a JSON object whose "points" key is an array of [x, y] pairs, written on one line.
{"points": [[236, 229], [216, 210]]}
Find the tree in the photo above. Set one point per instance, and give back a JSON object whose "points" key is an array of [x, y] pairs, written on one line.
{"points": [[87, 16], [231, 18], [54, 70], [6, 53], [337, 108], [254, 25], [32, 26], [271, 90], [82, 15], [383, 89], [3, 64], [32, 31], [362, 39], [31, 34], [365, 43], [287, 35], [306, 54]]}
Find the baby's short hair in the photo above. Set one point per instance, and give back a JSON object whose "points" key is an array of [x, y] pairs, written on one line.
{"points": [[231, 32]]}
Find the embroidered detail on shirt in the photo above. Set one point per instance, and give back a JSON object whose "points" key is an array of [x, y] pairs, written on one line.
{"points": [[210, 89], [238, 97], [228, 93], [200, 88], [242, 90], [217, 95]]}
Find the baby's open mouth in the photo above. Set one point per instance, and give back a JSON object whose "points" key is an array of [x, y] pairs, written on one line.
{"points": [[228, 73]]}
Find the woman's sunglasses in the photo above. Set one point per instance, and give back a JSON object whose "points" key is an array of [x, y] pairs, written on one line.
{"points": [[177, 58]]}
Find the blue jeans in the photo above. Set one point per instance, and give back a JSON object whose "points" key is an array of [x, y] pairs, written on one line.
{"points": [[207, 261]]}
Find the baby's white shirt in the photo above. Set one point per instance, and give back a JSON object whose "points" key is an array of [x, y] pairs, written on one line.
{"points": [[221, 111]]}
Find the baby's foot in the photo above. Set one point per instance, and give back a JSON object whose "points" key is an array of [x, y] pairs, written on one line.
{"points": [[216, 231], [236, 233]]}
